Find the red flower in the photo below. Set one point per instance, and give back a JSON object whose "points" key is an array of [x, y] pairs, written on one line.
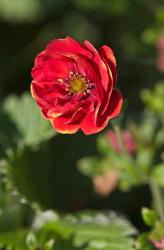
{"points": [[74, 86], [128, 140]]}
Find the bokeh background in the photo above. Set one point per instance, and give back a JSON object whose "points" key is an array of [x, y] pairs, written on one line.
{"points": [[131, 28], [48, 174]]}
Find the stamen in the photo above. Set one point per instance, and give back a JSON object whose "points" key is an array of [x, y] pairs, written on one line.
{"points": [[60, 80], [78, 83]]}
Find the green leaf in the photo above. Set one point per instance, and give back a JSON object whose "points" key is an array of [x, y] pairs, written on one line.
{"points": [[94, 230], [149, 216], [143, 243], [144, 159], [49, 244], [154, 99], [160, 137], [103, 144], [158, 174], [25, 114], [20, 10], [89, 165], [31, 240], [14, 239], [157, 232], [94, 165], [22, 239]]}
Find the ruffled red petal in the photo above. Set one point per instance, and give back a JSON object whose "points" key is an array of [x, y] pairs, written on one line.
{"points": [[105, 78], [107, 54], [67, 45], [113, 109], [51, 68], [94, 123], [61, 125]]}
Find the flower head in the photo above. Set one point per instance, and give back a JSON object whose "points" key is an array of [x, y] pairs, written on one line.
{"points": [[75, 86], [128, 141]]}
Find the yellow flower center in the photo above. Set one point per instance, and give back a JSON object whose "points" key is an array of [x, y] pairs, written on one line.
{"points": [[78, 84]]}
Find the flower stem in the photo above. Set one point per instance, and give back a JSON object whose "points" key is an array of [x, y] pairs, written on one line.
{"points": [[120, 138], [157, 199]]}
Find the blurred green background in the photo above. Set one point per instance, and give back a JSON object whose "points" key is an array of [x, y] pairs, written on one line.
{"points": [[46, 172], [130, 27]]}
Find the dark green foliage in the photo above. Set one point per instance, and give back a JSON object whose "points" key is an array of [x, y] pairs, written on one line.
{"points": [[92, 230], [85, 231], [56, 163], [26, 117]]}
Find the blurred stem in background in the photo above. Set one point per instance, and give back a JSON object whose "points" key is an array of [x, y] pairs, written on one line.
{"points": [[157, 198], [154, 188]]}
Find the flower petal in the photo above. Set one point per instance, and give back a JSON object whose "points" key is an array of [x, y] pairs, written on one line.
{"points": [[107, 54], [113, 109], [51, 68], [61, 126], [68, 45], [103, 70], [94, 123]]}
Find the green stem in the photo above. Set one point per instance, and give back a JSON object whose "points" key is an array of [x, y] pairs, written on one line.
{"points": [[120, 138], [156, 194]]}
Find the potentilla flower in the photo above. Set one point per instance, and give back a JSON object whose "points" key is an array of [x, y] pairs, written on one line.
{"points": [[128, 141], [75, 86]]}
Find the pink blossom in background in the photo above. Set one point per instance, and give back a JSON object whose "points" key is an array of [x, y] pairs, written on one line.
{"points": [[128, 141], [106, 183], [158, 244]]}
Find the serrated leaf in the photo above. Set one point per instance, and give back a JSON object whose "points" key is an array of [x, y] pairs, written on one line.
{"points": [[89, 230], [108, 245], [25, 114]]}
